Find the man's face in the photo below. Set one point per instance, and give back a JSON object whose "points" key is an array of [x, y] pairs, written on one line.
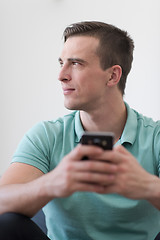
{"points": [[83, 81]]}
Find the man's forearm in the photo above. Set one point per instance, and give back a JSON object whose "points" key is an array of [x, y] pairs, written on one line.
{"points": [[25, 198], [154, 189]]}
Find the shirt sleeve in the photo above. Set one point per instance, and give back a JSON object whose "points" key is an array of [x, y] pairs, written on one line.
{"points": [[34, 148]]}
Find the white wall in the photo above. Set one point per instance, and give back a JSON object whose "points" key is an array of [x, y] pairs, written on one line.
{"points": [[30, 43]]}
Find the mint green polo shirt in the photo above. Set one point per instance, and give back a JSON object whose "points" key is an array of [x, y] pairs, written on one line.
{"points": [[85, 215]]}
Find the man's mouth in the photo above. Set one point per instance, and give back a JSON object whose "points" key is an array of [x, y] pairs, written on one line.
{"points": [[67, 91]]}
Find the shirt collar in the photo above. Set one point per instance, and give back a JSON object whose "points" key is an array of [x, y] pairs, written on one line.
{"points": [[78, 127], [130, 129], [129, 132]]}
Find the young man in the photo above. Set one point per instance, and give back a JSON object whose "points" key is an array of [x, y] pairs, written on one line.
{"points": [[94, 199]]}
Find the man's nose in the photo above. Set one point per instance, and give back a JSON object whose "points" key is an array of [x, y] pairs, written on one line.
{"points": [[64, 74]]}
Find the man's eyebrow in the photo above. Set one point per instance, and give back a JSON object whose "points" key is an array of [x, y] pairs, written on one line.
{"points": [[73, 60], [76, 60]]}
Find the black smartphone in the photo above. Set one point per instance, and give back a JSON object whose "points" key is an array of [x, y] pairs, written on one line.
{"points": [[104, 140]]}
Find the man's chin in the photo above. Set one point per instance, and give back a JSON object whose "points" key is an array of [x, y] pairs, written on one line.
{"points": [[71, 107]]}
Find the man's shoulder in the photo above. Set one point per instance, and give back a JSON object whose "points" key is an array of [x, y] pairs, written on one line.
{"points": [[148, 128], [68, 118], [61, 122], [147, 122], [140, 126], [49, 128]]}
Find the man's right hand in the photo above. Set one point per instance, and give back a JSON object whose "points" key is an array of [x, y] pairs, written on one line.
{"points": [[25, 189], [73, 174]]}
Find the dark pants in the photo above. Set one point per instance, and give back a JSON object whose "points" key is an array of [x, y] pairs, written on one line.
{"points": [[15, 226], [19, 227], [158, 237]]}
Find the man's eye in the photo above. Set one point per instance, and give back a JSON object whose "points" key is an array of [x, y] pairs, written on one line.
{"points": [[75, 63], [61, 64]]}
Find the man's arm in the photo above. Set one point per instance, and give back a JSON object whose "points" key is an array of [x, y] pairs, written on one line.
{"points": [[20, 190], [131, 180], [25, 189]]}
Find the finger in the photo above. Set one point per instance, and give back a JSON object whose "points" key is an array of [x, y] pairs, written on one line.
{"points": [[113, 157], [122, 150], [82, 150], [95, 166], [117, 155], [88, 187], [98, 178], [108, 189]]}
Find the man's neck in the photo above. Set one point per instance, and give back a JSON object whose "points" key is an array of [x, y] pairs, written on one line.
{"points": [[109, 119]]}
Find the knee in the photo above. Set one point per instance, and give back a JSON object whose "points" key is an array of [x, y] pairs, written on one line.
{"points": [[11, 219], [10, 224], [15, 226]]}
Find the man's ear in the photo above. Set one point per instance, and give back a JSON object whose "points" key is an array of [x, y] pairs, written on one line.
{"points": [[115, 73]]}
